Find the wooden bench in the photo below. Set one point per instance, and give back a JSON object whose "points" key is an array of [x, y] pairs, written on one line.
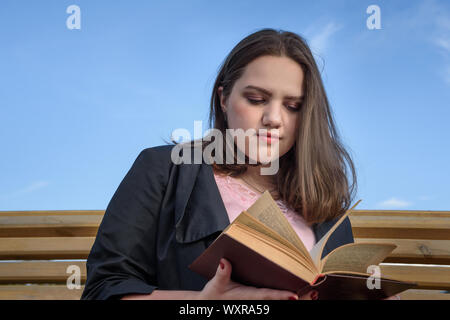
{"points": [[38, 247]]}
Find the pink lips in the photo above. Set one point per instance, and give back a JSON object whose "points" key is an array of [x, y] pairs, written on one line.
{"points": [[269, 137]]}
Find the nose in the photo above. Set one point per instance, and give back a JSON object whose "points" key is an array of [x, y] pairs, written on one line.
{"points": [[272, 115]]}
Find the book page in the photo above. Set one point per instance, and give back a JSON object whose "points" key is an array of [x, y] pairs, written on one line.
{"points": [[246, 219], [266, 210], [262, 246], [316, 251], [356, 257], [251, 223]]}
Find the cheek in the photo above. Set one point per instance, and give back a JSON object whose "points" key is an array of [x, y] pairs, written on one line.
{"points": [[291, 130], [241, 115]]}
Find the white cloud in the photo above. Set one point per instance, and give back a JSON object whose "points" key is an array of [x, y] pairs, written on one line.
{"points": [[394, 203], [437, 16], [33, 186], [427, 21], [318, 41], [443, 43]]}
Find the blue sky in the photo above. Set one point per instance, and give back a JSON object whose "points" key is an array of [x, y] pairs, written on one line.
{"points": [[77, 106]]}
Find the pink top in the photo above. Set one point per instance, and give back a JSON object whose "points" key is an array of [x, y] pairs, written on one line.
{"points": [[238, 197]]}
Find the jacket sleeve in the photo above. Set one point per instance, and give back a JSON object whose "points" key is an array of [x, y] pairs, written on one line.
{"points": [[122, 259], [342, 235]]}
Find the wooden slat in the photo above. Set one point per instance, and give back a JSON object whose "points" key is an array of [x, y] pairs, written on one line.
{"points": [[49, 224], [393, 233], [39, 271], [427, 277], [61, 292], [411, 213], [402, 213], [51, 213], [45, 248], [365, 223], [413, 294], [401, 224], [416, 251], [39, 292]]}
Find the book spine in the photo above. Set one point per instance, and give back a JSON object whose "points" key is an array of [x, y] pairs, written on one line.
{"points": [[319, 276], [318, 280]]}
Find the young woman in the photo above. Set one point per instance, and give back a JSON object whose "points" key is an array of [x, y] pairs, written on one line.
{"points": [[165, 214]]}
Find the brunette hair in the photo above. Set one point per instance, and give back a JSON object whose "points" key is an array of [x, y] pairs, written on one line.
{"points": [[312, 175]]}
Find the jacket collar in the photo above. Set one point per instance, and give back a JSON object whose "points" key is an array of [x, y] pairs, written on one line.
{"points": [[199, 209]]}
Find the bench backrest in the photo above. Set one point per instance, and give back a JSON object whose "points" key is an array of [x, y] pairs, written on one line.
{"points": [[423, 247], [39, 249]]}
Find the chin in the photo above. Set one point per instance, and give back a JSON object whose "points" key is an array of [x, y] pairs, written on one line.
{"points": [[266, 155]]}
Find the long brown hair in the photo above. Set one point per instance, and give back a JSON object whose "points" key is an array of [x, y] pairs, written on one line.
{"points": [[312, 175]]}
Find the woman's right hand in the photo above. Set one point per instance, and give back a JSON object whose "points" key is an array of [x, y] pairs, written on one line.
{"points": [[221, 287]]}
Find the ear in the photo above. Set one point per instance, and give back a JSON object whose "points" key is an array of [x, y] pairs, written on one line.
{"points": [[222, 99]]}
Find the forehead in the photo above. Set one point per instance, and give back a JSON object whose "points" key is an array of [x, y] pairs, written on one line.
{"points": [[280, 75]]}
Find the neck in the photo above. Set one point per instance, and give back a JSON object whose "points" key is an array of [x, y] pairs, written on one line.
{"points": [[253, 174]]}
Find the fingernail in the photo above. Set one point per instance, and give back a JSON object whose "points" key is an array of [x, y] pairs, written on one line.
{"points": [[222, 265], [293, 297], [314, 296]]}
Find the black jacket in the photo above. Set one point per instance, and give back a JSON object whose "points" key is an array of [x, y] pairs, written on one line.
{"points": [[161, 217]]}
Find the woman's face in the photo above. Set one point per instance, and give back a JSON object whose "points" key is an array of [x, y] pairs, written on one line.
{"points": [[267, 96]]}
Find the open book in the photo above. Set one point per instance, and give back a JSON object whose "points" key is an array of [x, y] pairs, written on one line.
{"points": [[265, 251]]}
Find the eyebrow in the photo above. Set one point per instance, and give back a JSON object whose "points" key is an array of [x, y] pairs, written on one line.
{"points": [[267, 92]]}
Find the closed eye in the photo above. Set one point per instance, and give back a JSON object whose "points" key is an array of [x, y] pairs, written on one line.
{"points": [[295, 107], [254, 101]]}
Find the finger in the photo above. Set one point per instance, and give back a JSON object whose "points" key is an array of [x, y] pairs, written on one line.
{"points": [[310, 295], [273, 294], [223, 273]]}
